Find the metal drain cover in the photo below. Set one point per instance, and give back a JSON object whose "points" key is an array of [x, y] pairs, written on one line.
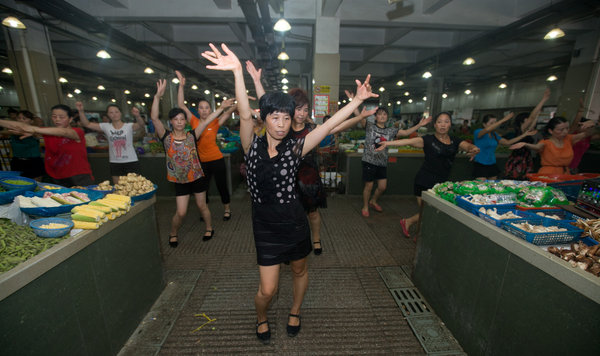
{"points": [[410, 301], [407, 270], [433, 335], [394, 277]]}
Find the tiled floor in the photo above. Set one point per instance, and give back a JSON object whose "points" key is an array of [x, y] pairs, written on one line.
{"points": [[208, 304]]}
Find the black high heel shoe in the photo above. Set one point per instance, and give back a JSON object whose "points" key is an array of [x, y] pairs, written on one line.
{"points": [[319, 250], [226, 215], [294, 330], [208, 237], [173, 243], [265, 337]]}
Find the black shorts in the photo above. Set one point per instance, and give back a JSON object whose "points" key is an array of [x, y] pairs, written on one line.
{"points": [[485, 170], [121, 169], [371, 172], [418, 189], [198, 186], [30, 167]]}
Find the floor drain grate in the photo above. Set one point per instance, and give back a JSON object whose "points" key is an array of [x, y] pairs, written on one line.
{"points": [[407, 270], [394, 277], [433, 335], [410, 301]]}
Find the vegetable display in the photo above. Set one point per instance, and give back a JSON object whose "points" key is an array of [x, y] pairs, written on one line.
{"points": [[580, 255], [94, 214], [133, 184]]}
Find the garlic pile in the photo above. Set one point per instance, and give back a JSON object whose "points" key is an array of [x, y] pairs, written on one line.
{"points": [[133, 184]]}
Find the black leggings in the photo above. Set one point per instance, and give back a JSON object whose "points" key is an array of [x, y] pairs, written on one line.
{"points": [[217, 168]]}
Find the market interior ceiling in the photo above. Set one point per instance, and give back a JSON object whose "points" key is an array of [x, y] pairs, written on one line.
{"points": [[391, 39]]}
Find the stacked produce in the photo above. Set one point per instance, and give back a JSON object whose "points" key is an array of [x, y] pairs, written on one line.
{"points": [[92, 215], [19, 243], [133, 184], [104, 186], [591, 227], [50, 200], [580, 255], [494, 214], [527, 227]]}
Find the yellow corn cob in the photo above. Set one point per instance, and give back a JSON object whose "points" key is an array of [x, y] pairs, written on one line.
{"points": [[81, 216], [90, 211], [114, 204], [119, 197], [99, 206], [85, 225]]}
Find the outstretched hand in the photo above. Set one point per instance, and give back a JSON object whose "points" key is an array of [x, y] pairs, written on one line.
{"points": [[79, 106], [180, 77], [472, 152], [161, 86], [587, 125], [367, 113], [531, 132], [546, 94], [363, 90], [510, 115], [227, 103], [425, 121], [228, 61], [517, 145], [382, 145], [349, 94], [254, 73]]}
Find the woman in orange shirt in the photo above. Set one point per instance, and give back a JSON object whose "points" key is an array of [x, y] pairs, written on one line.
{"points": [[556, 151], [210, 155]]}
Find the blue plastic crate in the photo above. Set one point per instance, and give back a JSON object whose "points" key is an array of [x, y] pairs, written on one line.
{"points": [[473, 208], [562, 214], [543, 238], [491, 220]]}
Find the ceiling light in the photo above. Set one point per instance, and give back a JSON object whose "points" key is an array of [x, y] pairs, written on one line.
{"points": [[282, 25], [410, 101], [389, 104], [400, 83], [313, 81], [103, 54], [126, 91], [224, 98], [427, 75], [444, 95], [1, 87], [283, 71], [344, 101], [381, 89], [175, 81], [285, 81], [129, 102], [502, 85], [551, 78], [13, 22], [185, 102], [193, 104], [147, 95], [101, 87], [63, 80], [468, 61], [148, 70], [207, 92], [7, 70], [468, 92], [406, 93], [143, 104], [194, 87], [284, 87], [285, 91], [554, 33], [424, 98], [283, 56], [94, 98], [113, 100], [70, 95], [77, 91], [217, 95], [398, 102], [339, 103]]}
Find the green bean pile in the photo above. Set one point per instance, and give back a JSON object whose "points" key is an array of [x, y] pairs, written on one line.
{"points": [[19, 243]]}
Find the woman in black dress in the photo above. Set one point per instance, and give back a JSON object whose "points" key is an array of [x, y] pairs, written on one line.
{"points": [[280, 226], [440, 150]]}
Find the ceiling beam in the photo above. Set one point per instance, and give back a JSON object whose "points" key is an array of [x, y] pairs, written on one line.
{"points": [[239, 31], [330, 7], [431, 6], [117, 3], [223, 4], [391, 35]]}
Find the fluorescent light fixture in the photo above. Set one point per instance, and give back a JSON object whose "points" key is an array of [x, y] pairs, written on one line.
{"points": [[344, 101], [103, 54], [389, 104], [284, 87], [398, 102], [410, 101], [502, 85], [13, 22], [339, 103], [217, 95], [285, 81], [185, 102], [175, 81], [143, 104], [224, 98], [128, 102], [406, 93], [381, 89], [552, 78], [424, 98], [469, 61], [427, 75], [468, 91], [94, 98], [147, 95], [207, 92], [554, 33], [285, 91], [7, 70], [77, 91], [283, 71], [194, 87], [193, 104], [113, 100], [400, 83], [63, 80], [101, 87], [126, 91], [282, 25], [70, 95], [283, 56], [444, 95], [148, 70]]}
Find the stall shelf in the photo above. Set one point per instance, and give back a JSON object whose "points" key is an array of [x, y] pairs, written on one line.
{"points": [[87, 294], [498, 294]]}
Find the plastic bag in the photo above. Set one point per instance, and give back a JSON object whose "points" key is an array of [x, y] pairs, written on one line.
{"points": [[558, 197], [535, 196]]}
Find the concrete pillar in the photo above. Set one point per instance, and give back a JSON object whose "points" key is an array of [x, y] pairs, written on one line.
{"points": [[34, 68], [433, 105], [326, 65], [581, 80]]}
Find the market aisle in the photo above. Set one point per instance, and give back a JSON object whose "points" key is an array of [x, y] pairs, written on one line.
{"points": [[208, 304]]}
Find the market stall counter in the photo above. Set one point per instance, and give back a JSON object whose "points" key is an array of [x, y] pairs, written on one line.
{"points": [[497, 293], [88, 293]]}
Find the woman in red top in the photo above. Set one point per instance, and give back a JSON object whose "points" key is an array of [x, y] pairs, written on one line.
{"points": [[65, 158], [210, 155]]}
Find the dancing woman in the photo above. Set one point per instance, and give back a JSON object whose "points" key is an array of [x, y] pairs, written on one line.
{"points": [[280, 226]]}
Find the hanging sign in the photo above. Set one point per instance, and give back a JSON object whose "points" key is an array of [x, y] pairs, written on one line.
{"points": [[321, 105]]}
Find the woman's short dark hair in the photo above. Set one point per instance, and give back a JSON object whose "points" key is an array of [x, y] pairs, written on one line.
{"points": [[299, 95], [64, 108], [176, 111], [440, 114], [276, 102], [487, 118], [201, 99], [519, 120], [114, 106], [28, 114], [555, 121], [382, 109]]}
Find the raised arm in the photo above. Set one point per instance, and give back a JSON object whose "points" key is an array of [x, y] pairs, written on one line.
{"points": [[495, 125], [230, 106], [139, 121], [204, 123], [255, 74], [350, 96], [230, 62], [353, 121], [33, 130], [505, 142], [578, 116], [530, 122], [159, 128], [180, 96], [363, 92], [414, 142], [470, 148], [588, 130], [423, 122], [84, 120], [532, 146]]}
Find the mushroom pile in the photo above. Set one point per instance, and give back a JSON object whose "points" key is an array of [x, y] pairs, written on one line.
{"points": [[591, 227], [580, 255]]}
